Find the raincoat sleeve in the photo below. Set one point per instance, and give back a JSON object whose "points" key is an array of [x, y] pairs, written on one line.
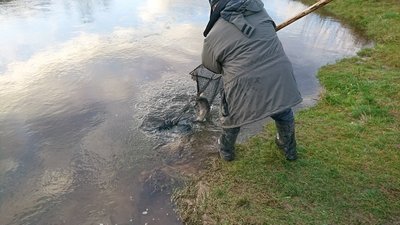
{"points": [[209, 58]]}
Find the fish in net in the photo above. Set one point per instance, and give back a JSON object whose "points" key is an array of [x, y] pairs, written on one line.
{"points": [[208, 86]]}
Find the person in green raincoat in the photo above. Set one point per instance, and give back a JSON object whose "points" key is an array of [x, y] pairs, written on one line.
{"points": [[258, 82]]}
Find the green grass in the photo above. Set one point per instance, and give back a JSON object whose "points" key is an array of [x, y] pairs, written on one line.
{"points": [[348, 170]]}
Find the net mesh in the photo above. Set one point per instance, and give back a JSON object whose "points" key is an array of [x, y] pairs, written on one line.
{"points": [[209, 84]]}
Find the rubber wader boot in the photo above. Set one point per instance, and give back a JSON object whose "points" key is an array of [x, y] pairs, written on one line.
{"points": [[227, 143], [286, 140]]}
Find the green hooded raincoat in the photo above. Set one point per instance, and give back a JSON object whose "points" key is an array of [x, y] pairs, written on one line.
{"points": [[257, 75]]}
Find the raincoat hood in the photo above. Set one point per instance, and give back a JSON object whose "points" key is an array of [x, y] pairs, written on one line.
{"points": [[234, 11]]}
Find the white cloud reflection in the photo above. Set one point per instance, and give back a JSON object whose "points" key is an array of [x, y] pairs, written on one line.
{"points": [[108, 66], [151, 10]]}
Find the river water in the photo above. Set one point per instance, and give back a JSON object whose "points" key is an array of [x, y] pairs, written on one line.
{"points": [[78, 78]]}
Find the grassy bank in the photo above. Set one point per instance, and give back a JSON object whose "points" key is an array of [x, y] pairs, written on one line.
{"points": [[349, 145]]}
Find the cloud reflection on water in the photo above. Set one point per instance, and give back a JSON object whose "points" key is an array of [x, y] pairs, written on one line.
{"points": [[73, 102]]}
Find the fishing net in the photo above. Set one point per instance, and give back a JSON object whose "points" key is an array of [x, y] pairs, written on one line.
{"points": [[209, 84]]}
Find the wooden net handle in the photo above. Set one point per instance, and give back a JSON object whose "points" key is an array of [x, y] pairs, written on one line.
{"points": [[304, 13]]}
